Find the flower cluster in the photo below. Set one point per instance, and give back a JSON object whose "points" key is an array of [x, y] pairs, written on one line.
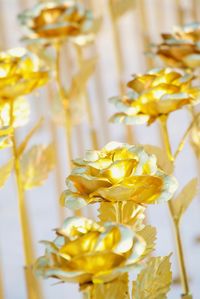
{"points": [[118, 172], [56, 20], [154, 94], [85, 252], [182, 47]]}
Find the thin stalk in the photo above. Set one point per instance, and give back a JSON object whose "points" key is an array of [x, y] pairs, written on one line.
{"points": [[65, 104], [1, 286], [183, 140], [180, 252], [32, 286], [89, 293], [119, 64], [58, 168], [90, 117], [119, 212]]}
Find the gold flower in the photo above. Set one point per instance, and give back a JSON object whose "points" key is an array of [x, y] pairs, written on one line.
{"points": [[59, 19], [119, 172], [154, 94], [195, 136], [19, 73], [181, 48], [85, 251]]}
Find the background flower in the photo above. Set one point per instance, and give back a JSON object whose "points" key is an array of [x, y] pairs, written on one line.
{"points": [[119, 172], [156, 93], [20, 73], [86, 252], [53, 21], [182, 47]]}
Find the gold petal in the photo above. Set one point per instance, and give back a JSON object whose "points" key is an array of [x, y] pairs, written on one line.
{"points": [[96, 262]]}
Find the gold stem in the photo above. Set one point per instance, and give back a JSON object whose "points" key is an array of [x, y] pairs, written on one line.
{"points": [[65, 105], [119, 64], [1, 286], [58, 170], [166, 138], [33, 290], [93, 133], [183, 140], [183, 272], [89, 292], [118, 212], [184, 278]]}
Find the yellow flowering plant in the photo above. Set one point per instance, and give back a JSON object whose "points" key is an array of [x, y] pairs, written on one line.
{"points": [[181, 47], [119, 172], [20, 73], [155, 94], [87, 252], [56, 20], [98, 255]]}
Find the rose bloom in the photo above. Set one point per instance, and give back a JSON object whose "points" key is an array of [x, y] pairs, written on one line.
{"points": [[56, 20], [181, 48], [85, 252], [20, 74], [154, 94], [118, 172]]}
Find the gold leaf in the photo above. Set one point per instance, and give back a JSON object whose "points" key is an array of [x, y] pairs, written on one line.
{"points": [[148, 233], [180, 204], [107, 212], [5, 172], [162, 159], [36, 165], [131, 214], [120, 7], [112, 290], [154, 281], [23, 145]]}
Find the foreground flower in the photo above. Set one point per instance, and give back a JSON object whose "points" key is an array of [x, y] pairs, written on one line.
{"points": [[118, 172], [55, 20], [86, 252], [20, 73], [181, 48], [154, 94]]}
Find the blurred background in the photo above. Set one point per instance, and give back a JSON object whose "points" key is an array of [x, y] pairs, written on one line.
{"points": [[136, 29]]}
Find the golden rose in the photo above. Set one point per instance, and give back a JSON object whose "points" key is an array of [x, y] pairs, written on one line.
{"points": [[58, 20], [118, 172], [181, 48], [154, 94], [85, 252], [20, 73]]}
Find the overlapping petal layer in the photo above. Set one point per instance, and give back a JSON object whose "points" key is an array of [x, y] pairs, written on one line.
{"points": [[156, 93], [85, 251], [118, 172], [182, 47], [20, 73], [55, 20]]}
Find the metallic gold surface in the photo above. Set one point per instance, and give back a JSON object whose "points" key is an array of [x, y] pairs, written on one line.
{"points": [[20, 73], [85, 251], [156, 277], [181, 47], [53, 21], [117, 173], [154, 94]]}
